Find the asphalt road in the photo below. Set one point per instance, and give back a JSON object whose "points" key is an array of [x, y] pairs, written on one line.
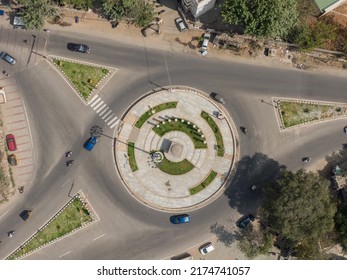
{"points": [[128, 230]]}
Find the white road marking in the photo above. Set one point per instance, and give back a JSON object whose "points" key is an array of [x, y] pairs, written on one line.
{"points": [[64, 254], [111, 121], [102, 107], [4, 214], [66, 182], [93, 99], [109, 112], [112, 126], [96, 101], [99, 236], [98, 105], [109, 117], [103, 111]]}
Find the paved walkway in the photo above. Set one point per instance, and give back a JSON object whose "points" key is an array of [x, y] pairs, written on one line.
{"points": [[156, 188]]}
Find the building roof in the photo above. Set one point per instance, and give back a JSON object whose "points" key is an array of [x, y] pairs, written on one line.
{"points": [[324, 4]]}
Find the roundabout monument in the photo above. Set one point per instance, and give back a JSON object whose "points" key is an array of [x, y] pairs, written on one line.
{"points": [[173, 151]]}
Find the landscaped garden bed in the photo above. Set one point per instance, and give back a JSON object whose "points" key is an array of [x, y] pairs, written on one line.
{"points": [[185, 126], [83, 77], [72, 217], [295, 113], [145, 116], [131, 156], [216, 131], [203, 184], [175, 168]]}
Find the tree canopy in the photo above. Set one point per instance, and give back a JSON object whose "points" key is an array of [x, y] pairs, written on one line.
{"points": [[34, 13], [139, 11], [341, 226], [263, 18], [298, 206]]}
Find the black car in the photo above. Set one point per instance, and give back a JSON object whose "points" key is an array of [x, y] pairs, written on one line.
{"points": [[245, 221], [78, 48], [217, 97]]}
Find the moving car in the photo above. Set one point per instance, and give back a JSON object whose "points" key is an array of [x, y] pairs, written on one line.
{"points": [[345, 129], [204, 45], [180, 219], [11, 142], [25, 214], [8, 58], [90, 143], [206, 249], [180, 24], [245, 221], [306, 159], [78, 48], [217, 97]]}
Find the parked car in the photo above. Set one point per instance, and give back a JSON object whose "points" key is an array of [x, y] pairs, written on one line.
{"points": [[12, 159], [180, 24], [217, 97], [78, 48], [11, 142], [25, 214], [245, 221], [207, 37], [180, 219], [207, 248], [306, 159], [8, 58], [90, 143], [345, 129]]}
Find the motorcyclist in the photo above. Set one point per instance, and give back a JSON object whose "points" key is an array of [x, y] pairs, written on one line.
{"points": [[68, 154], [69, 162]]}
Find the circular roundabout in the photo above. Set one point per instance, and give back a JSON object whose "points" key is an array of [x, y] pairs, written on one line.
{"points": [[175, 149]]}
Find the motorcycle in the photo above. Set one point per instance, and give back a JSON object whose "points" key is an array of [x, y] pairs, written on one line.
{"points": [[68, 154], [69, 162]]}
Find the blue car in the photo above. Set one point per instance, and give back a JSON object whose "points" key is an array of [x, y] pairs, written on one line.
{"points": [[180, 219], [90, 143]]}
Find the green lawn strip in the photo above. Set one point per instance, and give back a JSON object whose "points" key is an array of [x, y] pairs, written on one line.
{"points": [[183, 127], [83, 77], [294, 113], [175, 168], [204, 184], [156, 109], [131, 156], [71, 218], [216, 131]]}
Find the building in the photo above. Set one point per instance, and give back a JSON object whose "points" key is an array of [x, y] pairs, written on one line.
{"points": [[328, 5], [197, 7]]}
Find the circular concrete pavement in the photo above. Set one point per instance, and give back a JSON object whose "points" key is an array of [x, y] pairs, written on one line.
{"points": [[196, 149]]}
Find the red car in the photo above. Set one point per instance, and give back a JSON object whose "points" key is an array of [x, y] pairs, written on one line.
{"points": [[11, 142]]}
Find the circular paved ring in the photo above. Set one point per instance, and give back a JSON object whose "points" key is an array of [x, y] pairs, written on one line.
{"points": [[198, 144]]}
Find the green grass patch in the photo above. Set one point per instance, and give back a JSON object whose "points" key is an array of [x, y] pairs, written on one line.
{"points": [[175, 168], [204, 184], [83, 77], [131, 156], [183, 127], [216, 131], [154, 110], [71, 218], [294, 113]]}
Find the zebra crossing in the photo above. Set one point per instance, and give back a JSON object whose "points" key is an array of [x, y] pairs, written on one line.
{"points": [[100, 107]]}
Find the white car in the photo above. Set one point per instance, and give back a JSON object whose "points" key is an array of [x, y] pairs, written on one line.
{"points": [[180, 24], [204, 45], [206, 249]]}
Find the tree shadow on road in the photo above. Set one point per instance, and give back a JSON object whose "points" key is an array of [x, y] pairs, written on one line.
{"points": [[225, 235], [336, 158], [256, 170]]}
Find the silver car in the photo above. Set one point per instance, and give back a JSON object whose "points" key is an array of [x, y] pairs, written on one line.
{"points": [[180, 24]]}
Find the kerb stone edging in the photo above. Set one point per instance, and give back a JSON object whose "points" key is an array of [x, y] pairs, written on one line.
{"points": [[303, 101], [235, 156], [92, 213]]}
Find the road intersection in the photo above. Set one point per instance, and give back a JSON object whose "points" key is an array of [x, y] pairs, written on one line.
{"points": [[128, 229]]}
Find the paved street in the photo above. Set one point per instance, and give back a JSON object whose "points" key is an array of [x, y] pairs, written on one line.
{"points": [[128, 229]]}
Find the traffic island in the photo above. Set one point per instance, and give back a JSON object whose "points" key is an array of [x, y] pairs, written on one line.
{"points": [[173, 151], [299, 112], [73, 216]]}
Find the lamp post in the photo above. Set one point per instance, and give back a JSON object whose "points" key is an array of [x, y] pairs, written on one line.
{"points": [[46, 41]]}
